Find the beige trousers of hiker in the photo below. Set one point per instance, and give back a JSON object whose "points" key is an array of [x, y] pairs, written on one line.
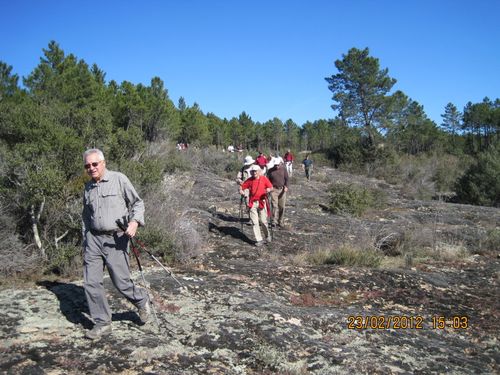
{"points": [[259, 217]]}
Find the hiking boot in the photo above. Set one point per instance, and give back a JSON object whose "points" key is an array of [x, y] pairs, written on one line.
{"points": [[259, 243], [98, 331], [144, 313], [269, 240]]}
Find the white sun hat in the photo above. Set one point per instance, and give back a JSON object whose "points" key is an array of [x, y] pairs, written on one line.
{"points": [[248, 160], [254, 167]]}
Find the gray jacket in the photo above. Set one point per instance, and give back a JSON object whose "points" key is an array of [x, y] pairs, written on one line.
{"points": [[112, 198]]}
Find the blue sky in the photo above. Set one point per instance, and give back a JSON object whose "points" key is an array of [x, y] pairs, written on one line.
{"points": [[267, 58]]}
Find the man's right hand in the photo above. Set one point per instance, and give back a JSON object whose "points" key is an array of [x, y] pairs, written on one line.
{"points": [[132, 228]]}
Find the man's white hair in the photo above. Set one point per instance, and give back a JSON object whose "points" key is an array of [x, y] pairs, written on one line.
{"points": [[93, 151]]}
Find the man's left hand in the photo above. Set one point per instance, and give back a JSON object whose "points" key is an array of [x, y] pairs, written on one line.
{"points": [[132, 229]]}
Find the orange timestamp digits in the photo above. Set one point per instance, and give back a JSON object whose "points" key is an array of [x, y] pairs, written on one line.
{"points": [[385, 322], [453, 322], [406, 322]]}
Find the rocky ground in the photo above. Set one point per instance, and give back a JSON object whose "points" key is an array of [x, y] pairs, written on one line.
{"points": [[244, 310]]}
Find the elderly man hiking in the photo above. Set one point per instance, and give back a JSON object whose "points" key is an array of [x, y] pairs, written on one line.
{"points": [[278, 175], [258, 187], [109, 196]]}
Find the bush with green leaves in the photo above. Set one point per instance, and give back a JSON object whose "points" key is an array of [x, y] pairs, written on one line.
{"points": [[346, 150], [480, 183], [353, 199], [159, 242], [319, 159], [145, 172], [65, 260]]}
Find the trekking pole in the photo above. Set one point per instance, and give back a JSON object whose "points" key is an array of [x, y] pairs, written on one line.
{"points": [[270, 214], [136, 255], [135, 241], [241, 213]]}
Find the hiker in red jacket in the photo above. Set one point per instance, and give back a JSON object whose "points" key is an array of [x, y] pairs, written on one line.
{"points": [[261, 161], [258, 186], [288, 157]]}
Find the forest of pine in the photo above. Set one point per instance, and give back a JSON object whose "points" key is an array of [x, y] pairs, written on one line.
{"points": [[65, 106]]}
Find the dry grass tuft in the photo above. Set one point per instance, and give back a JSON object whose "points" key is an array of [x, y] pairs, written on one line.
{"points": [[347, 255]]}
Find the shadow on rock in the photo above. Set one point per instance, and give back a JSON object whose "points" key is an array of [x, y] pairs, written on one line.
{"points": [[229, 231], [127, 315], [228, 218], [72, 301], [73, 304]]}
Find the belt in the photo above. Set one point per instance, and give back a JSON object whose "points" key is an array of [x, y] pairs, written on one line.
{"points": [[103, 232]]}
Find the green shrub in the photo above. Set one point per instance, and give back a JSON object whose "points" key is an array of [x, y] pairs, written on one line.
{"points": [[354, 200], [176, 161], [320, 159], [346, 151], [158, 242], [231, 168], [65, 260], [142, 173], [480, 184]]}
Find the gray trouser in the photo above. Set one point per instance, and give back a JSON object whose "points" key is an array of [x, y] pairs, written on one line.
{"points": [[108, 250]]}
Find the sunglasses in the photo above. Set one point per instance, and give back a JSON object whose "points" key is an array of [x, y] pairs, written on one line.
{"points": [[94, 164]]}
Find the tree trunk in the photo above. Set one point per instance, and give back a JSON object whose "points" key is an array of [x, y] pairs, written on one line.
{"points": [[57, 239], [35, 218]]}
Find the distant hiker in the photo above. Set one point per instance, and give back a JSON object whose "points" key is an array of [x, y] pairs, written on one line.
{"points": [[261, 161], [274, 155], [108, 197], [288, 158], [278, 176], [307, 164], [258, 187], [244, 174]]}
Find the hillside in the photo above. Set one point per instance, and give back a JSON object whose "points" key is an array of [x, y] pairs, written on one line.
{"points": [[243, 310]]}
